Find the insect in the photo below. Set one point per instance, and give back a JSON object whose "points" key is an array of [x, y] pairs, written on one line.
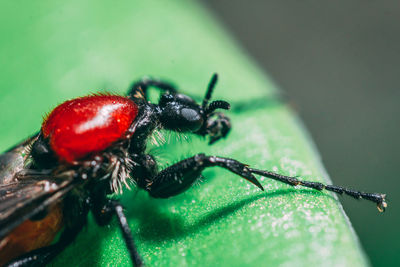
{"points": [[89, 148]]}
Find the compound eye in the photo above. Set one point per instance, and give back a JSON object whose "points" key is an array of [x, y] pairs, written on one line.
{"points": [[190, 114], [192, 117]]}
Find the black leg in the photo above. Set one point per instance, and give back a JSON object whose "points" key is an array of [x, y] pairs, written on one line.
{"points": [[378, 198], [180, 176], [139, 88], [126, 232], [39, 257], [103, 215]]}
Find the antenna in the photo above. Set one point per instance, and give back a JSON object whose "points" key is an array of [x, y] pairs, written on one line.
{"points": [[210, 90]]}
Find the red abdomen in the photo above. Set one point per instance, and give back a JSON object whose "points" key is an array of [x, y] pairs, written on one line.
{"points": [[86, 125]]}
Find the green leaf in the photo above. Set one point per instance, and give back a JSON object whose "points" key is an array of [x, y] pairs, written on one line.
{"points": [[51, 52]]}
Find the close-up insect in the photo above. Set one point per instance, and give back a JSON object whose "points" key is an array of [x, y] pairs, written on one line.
{"points": [[91, 147]]}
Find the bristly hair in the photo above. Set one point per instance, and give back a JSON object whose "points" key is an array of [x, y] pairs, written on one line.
{"points": [[120, 169], [26, 153], [158, 138]]}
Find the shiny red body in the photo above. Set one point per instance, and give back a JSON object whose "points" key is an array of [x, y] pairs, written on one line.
{"points": [[86, 125], [75, 129]]}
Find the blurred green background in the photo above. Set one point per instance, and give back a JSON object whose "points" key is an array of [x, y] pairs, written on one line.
{"points": [[51, 52], [338, 61]]}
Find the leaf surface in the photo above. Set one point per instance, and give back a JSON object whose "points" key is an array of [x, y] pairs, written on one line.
{"points": [[56, 51]]}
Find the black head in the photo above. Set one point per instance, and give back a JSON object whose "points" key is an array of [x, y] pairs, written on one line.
{"points": [[179, 112]]}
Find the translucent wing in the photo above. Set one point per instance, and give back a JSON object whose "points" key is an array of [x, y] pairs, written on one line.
{"points": [[14, 160], [25, 193]]}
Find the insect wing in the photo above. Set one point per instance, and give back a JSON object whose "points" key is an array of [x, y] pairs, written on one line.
{"points": [[25, 193], [20, 201], [13, 161]]}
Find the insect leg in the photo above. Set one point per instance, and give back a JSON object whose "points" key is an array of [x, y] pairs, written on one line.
{"points": [[139, 88], [126, 232], [117, 208], [103, 210], [378, 198], [179, 177], [38, 257]]}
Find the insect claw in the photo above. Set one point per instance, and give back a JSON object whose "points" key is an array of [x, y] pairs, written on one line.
{"points": [[382, 205], [252, 179]]}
